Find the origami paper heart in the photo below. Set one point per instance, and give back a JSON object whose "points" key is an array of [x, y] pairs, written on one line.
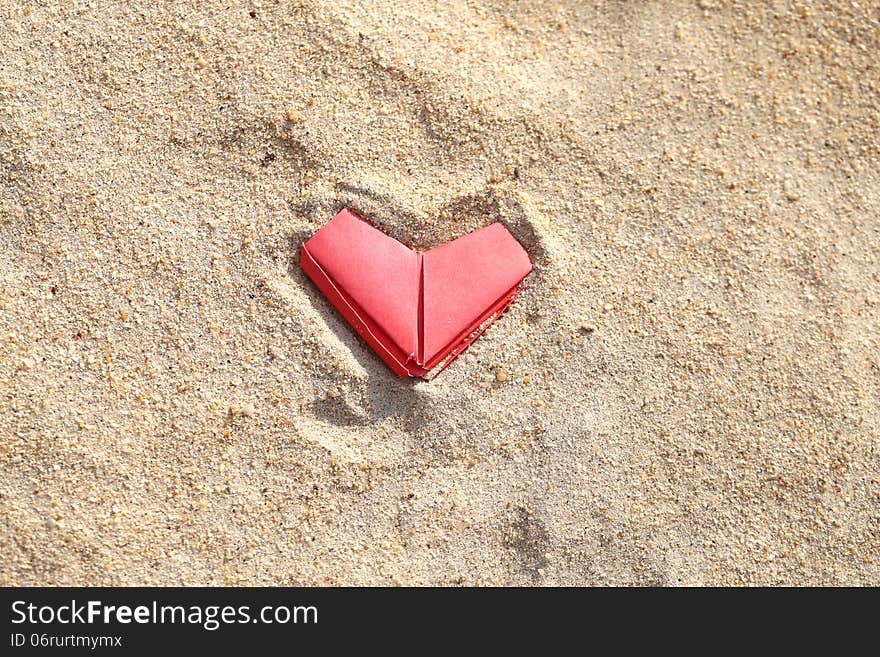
{"points": [[416, 310]]}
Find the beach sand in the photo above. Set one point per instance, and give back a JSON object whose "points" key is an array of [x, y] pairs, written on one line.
{"points": [[687, 390]]}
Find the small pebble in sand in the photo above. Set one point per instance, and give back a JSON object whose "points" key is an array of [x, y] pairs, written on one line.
{"points": [[500, 375], [245, 410], [607, 307], [587, 327]]}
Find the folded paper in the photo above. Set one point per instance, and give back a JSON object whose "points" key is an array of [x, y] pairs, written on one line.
{"points": [[416, 310]]}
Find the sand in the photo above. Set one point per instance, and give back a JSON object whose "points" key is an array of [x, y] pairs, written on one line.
{"points": [[686, 391]]}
